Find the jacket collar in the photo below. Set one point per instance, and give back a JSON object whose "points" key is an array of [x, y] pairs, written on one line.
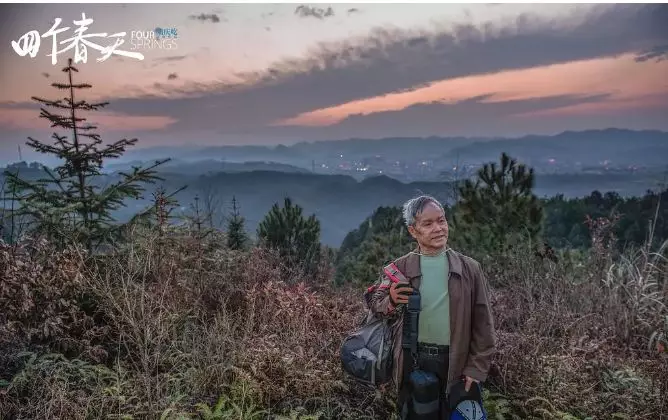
{"points": [[413, 263]]}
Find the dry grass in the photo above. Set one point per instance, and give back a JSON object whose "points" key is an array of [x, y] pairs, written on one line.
{"points": [[173, 326], [188, 328], [585, 336]]}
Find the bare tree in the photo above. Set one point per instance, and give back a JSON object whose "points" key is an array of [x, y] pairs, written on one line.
{"points": [[211, 206], [454, 178]]}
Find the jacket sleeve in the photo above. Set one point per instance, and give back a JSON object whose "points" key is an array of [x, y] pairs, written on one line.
{"points": [[483, 340], [381, 304]]}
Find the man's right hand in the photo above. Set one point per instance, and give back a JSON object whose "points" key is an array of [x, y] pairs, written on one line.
{"points": [[399, 293]]}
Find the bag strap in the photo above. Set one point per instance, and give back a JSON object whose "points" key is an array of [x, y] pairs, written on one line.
{"points": [[411, 321], [411, 324]]}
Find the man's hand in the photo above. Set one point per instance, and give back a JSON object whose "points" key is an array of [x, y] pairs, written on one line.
{"points": [[399, 293], [469, 382]]}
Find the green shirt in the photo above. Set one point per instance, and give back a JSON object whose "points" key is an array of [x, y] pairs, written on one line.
{"points": [[434, 321]]}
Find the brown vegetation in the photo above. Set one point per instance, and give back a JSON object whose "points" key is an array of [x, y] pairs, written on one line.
{"points": [[579, 338], [175, 326]]}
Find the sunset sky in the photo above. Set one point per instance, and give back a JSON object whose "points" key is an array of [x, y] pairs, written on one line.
{"points": [[281, 73]]}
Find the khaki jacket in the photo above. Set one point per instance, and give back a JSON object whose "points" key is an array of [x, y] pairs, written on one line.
{"points": [[472, 339]]}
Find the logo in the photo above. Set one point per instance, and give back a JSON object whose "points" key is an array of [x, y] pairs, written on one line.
{"points": [[81, 41], [156, 39]]}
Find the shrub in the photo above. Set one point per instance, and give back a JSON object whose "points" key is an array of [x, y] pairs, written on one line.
{"points": [[296, 237], [44, 300]]}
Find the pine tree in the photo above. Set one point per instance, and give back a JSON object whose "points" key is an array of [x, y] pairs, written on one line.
{"points": [[499, 207], [236, 233], [196, 220], [69, 204], [295, 236], [163, 206]]}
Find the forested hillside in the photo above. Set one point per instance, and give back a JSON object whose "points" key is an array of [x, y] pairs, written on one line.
{"points": [[340, 202]]}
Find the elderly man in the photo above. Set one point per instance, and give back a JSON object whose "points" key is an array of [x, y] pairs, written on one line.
{"points": [[456, 331]]}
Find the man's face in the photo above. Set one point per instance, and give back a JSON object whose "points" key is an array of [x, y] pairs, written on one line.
{"points": [[431, 228]]}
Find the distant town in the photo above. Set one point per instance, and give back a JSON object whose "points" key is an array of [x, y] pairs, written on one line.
{"points": [[432, 170], [613, 152]]}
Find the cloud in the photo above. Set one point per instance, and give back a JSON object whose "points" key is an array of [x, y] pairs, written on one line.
{"points": [[595, 76], [19, 105], [472, 116], [203, 17], [439, 117], [476, 117], [647, 102], [172, 76], [170, 58], [658, 53], [391, 61], [316, 12], [14, 118], [159, 61]]}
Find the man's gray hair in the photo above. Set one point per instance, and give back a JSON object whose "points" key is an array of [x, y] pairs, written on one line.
{"points": [[415, 206]]}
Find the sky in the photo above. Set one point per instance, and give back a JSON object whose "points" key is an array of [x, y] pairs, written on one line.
{"points": [[282, 73]]}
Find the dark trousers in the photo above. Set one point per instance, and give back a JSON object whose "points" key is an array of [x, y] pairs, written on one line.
{"points": [[436, 364]]}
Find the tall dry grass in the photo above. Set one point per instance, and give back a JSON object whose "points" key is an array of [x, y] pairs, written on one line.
{"points": [[185, 329], [585, 336], [174, 325]]}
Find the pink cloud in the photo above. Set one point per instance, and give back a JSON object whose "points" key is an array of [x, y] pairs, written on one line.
{"points": [[602, 108], [25, 118], [622, 78]]}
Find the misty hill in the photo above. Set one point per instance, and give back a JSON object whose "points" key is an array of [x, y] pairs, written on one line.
{"points": [[418, 158], [207, 166], [591, 147], [411, 159], [421, 159], [306, 151], [580, 144], [340, 202]]}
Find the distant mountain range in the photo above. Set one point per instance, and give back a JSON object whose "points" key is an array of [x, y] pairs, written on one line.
{"points": [[260, 176], [590, 147], [209, 166], [623, 147]]}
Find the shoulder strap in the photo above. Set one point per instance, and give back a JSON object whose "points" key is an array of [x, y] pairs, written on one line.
{"points": [[410, 331]]}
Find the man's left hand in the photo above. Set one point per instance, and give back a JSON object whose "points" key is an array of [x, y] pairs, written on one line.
{"points": [[469, 381]]}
